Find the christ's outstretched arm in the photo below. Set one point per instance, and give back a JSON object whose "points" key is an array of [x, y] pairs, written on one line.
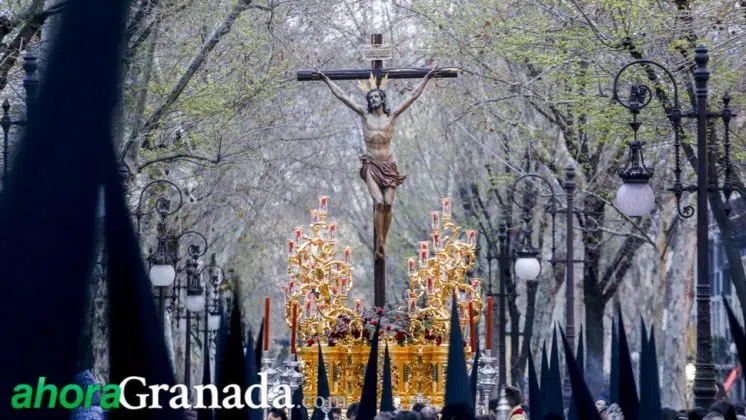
{"points": [[413, 97], [339, 93]]}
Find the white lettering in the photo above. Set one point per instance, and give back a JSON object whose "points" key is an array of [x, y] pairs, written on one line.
{"points": [[236, 397], [262, 387], [143, 398], [183, 396], [155, 390], [200, 389], [284, 393]]}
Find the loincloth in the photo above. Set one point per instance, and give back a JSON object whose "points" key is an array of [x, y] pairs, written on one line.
{"points": [[385, 174]]}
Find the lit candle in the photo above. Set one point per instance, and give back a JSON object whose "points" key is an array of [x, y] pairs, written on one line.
{"points": [[436, 240], [332, 231], [488, 335], [291, 247], [294, 327], [412, 305], [472, 235], [435, 220], [429, 282], [445, 204], [471, 326], [266, 323], [423, 256], [358, 306], [475, 285], [348, 255], [322, 204], [412, 266], [424, 245], [298, 235]]}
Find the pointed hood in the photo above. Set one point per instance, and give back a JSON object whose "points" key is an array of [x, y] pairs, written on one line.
{"points": [[534, 393], [614, 375], [544, 372], [232, 367], [458, 400], [736, 333], [572, 413], [650, 391], [206, 413], [628, 401], [258, 351], [48, 202], [298, 411], [387, 394], [553, 396], [252, 376], [322, 385], [583, 402], [369, 396], [474, 371]]}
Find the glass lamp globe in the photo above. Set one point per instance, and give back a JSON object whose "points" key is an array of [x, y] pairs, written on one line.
{"points": [[527, 267], [194, 303], [213, 322], [635, 199], [162, 275]]}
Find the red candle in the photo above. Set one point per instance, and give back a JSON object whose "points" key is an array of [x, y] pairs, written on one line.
{"points": [[266, 323], [291, 286], [322, 203], [412, 267], [294, 327], [412, 305], [472, 234], [298, 235], [446, 207], [471, 327], [436, 220], [358, 306], [332, 231], [429, 281], [424, 245], [436, 240], [488, 335], [291, 247], [423, 256], [348, 255]]}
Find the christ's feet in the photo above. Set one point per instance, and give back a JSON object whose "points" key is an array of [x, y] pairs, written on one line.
{"points": [[380, 251]]}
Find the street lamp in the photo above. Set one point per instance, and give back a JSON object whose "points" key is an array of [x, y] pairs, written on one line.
{"points": [[527, 265], [635, 197]]}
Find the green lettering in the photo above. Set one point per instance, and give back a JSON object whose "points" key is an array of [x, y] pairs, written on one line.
{"points": [[110, 396], [40, 388], [90, 392], [66, 390], [22, 396]]}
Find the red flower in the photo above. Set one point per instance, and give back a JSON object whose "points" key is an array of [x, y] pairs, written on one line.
{"points": [[397, 317], [310, 342], [388, 328], [437, 340], [399, 336], [380, 332], [374, 322], [379, 311]]}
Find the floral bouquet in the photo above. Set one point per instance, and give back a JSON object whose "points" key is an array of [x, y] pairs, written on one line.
{"points": [[394, 323]]}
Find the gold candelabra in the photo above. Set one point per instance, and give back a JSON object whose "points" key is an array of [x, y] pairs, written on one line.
{"points": [[317, 308]]}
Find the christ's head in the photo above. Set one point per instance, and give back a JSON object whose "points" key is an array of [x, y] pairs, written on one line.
{"points": [[377, 99]]}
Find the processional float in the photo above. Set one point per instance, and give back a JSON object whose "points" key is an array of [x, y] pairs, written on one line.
{"points": [[319, 312]]}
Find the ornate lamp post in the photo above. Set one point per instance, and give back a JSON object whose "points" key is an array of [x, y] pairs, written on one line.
{"points": [[635, 197], [527, 266]]}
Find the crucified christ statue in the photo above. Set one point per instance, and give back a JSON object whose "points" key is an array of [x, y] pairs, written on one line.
{"points": [[379, 170]]}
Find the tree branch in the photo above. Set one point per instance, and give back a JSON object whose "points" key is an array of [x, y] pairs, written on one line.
{"points": [[191, 70]]}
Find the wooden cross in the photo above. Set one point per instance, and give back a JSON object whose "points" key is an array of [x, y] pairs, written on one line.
{"points": [[379, 72]]}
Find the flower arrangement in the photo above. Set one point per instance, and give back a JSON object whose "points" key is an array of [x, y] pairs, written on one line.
{"points": [[394, 323]]}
